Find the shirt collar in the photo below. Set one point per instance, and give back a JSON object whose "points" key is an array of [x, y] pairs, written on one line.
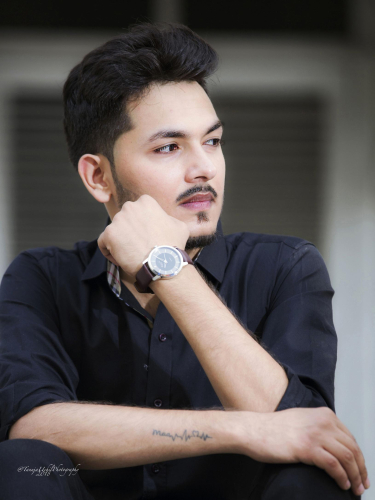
{"points": [[212, 258]]}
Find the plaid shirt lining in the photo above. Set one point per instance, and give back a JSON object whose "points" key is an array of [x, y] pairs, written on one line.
{"points": [[114, 281]]}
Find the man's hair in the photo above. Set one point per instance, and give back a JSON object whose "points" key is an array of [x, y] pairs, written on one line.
{"points": [[98, 90]]}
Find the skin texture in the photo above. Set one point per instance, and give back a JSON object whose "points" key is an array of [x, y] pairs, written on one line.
{"points": [[143, 201]]}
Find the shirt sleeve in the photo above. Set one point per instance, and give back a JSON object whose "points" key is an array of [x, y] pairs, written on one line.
{"points": [[299, 330], [35, 368]]}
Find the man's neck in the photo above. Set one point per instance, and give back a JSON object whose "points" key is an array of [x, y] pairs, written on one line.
{"points": [[192, 253]]}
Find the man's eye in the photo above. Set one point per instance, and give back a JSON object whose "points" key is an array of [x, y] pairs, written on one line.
{"points": [[166, 149], [217, 142]]}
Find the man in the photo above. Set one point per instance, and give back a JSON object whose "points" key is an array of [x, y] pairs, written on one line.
{"points": [[125, 377]]}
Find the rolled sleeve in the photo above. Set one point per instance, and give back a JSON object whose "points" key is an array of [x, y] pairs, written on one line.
{"points": [[35, 368], [299, 329]]}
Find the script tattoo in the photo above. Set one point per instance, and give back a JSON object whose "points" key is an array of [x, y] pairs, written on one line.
{"points": [[185, 436]]}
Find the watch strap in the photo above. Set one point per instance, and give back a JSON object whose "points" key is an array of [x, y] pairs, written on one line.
{"points": [[144, 275]]}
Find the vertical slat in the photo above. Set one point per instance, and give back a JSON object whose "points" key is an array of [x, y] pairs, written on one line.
{"points": [[52, 205], [273, 164]]}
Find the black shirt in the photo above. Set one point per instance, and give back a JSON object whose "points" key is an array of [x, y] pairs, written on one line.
{"points": [[64, 335]]}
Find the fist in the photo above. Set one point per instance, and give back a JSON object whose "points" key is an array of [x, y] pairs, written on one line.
{"points": [[136, 229]]}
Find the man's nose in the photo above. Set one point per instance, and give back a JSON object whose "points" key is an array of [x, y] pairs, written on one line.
{"points": [[200, 166]]}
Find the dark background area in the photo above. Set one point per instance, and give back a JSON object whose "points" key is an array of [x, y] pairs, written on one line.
{"points": [[300, 17]]}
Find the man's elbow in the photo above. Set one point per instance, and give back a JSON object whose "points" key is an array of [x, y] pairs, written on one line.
{"points": [[27, 427]]}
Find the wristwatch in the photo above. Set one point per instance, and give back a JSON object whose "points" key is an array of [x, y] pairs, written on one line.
{"points": [[163, 262]]}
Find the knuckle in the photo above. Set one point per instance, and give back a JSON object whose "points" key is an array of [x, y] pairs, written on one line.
{"points": [[109, 229], [326, 418], [332, 463], [322, 421], [331, 415], [348, 456], [358, 456]]}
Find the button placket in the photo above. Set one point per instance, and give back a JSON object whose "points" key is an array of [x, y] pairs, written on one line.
{"points": [[158, 388], [156, 468]]}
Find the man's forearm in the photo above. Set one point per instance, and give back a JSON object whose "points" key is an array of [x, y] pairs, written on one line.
{"points": [[243, 374], [98, 436]]}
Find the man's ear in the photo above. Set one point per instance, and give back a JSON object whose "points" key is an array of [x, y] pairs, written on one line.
{"points": [[93, 171]]}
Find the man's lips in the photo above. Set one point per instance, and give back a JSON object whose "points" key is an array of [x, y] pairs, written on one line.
{"points": [[198, 202], [198, 198]]}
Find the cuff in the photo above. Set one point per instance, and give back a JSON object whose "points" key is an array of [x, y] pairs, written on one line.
{"points": [[296, 395]]}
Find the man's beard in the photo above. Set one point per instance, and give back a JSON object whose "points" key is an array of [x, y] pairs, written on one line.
{"points": [[124, 194]]}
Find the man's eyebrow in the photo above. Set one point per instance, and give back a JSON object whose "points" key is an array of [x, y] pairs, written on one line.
{"points": [[162, 134]]}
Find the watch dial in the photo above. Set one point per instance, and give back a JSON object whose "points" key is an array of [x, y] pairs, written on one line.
{"points": [[166, 261]]}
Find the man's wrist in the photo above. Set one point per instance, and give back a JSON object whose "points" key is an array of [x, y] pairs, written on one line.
{"points": [[246, 432], [186, 273], [229, 427]]}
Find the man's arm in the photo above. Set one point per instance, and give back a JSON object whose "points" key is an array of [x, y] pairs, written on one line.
{"points": [[99, 436], [243, 374], [104, 436]]}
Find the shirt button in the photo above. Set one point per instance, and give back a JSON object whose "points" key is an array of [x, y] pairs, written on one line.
{"points": [[158, 403], [155, 468], [145, 367], [162, 337]]}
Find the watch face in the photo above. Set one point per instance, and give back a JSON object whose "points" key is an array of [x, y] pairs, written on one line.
{"points": [[165, 261]]}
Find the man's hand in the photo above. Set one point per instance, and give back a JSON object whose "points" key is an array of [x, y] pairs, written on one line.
{"points": [[314, 436], [136, 229]]}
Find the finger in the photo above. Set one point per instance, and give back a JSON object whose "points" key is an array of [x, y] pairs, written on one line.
{"points": [[352, 444], [325, 460], [347, 460]]}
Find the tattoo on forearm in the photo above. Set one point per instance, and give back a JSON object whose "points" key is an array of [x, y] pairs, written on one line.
{"points": [[185, 436]]}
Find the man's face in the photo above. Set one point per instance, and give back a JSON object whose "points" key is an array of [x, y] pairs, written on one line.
{"points": [[184, 159]]}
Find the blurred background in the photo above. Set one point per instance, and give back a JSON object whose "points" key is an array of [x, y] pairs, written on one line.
{"points": [[296, 90]]}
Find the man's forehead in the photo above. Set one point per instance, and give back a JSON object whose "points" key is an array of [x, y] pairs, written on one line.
{"points": [[182, 107]]}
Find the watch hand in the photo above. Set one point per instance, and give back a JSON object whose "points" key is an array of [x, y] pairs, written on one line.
{"points": [[161, 259]]}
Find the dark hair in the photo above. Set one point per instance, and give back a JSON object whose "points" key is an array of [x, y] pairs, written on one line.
{"points": [[98, 89]]}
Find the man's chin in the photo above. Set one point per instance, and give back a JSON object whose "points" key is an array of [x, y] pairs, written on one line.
{"points": [[200, 241]]}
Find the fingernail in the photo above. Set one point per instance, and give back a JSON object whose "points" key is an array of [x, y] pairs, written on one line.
{"points": [[367, 483], [347, 485], [361, 489]]}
